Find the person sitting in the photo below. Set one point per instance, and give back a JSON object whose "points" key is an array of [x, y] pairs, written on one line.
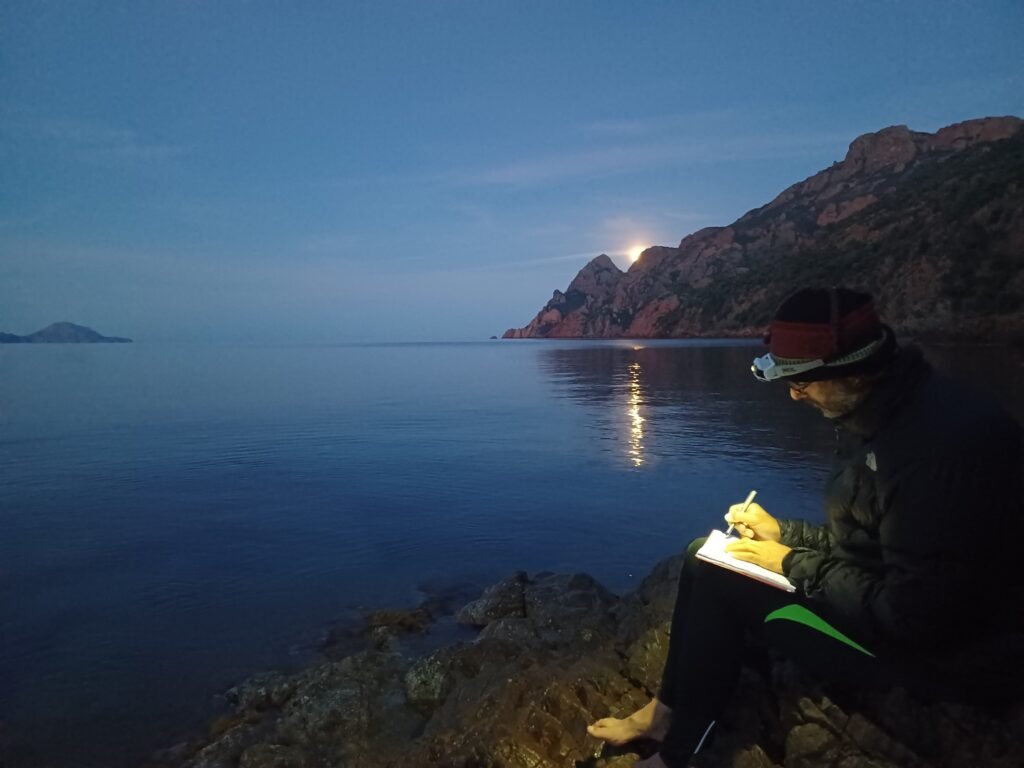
{"points": [[915, 579]]}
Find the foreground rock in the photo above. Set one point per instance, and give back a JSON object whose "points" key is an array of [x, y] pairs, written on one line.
{"points": [[555, 652]]}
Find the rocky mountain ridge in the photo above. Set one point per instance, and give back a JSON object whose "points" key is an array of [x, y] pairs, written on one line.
{"points": [[63, 333], [931, 223]]}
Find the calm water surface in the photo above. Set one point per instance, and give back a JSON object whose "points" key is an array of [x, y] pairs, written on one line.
{"points": [[176, 518]]}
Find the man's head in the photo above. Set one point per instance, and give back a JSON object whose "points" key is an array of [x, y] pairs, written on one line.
{"points": [[829, 346]]}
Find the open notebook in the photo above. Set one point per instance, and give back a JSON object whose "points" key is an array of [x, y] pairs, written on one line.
{"points": [[714, 552]]}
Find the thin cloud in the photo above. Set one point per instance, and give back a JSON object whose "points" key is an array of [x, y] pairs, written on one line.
{"points": [[638, 158], [649, 125], [569, 257], [330, 243], [15, 223], [516, 263], [93, 141], [623, 128], [350, 249], [648, 228], [601, 162], [689, 217], [136, 153]]}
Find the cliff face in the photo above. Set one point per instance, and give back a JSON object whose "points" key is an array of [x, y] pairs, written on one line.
{"points": [[932, 224]]}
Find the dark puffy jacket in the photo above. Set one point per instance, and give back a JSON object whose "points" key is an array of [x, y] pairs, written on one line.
{"points": [[925, 518]]}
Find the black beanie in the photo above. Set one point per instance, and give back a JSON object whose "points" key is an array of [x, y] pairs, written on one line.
{"points": [[837, 326]]}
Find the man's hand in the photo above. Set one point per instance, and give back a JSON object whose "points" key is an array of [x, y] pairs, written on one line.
{"points": [[755, 523], [767, 554]]}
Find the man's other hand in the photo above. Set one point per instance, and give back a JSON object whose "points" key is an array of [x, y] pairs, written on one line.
{"points": [[767, 554], [755, 523]]}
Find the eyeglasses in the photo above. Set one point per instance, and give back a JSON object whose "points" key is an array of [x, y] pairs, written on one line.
{"points": [[800, 386]]}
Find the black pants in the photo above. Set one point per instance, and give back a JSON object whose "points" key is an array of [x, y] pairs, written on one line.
{"points": [[717, 612]]}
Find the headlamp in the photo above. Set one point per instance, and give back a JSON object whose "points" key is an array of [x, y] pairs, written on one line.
{"points": [[767, 368]]}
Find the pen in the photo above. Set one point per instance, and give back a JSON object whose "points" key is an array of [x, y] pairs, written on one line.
{"points": [[750, 498]]}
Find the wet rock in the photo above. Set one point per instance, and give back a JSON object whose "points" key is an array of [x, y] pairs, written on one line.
{"points": [[429, 681], [650, 605], [271, 756], [345, 639], [657, 590], [645, 658], [751, 757], [445, 598], [416, 620], [512, 630], [338, 713], [261, 692], [810, 745], [344, 704], [570, 609], [556, 652], [378, 630], [504, 599], [224, 751], [533, 715]]}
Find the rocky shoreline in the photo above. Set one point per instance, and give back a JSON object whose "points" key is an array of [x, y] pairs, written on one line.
{"points": [[543, 655]]}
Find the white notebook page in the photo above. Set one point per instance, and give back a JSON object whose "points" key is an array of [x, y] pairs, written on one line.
{"points": [[714, 552]]}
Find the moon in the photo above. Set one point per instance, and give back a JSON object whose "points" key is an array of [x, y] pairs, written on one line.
{"points": [[634, 253]]}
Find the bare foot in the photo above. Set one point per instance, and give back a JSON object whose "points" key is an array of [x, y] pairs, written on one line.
{"points": [[651, 722]]}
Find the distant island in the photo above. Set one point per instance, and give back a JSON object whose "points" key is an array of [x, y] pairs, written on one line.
{"points": [[63, 333], [931, 223]]}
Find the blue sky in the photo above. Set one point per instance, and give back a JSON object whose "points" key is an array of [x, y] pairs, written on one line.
{"points": [[348, 171]]}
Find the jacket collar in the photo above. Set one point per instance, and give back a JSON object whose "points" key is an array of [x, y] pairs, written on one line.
{"points": [[905, 375]]}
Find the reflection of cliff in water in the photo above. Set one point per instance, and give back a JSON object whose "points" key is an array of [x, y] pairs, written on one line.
{"points": [[685, 396], [693, 397]]}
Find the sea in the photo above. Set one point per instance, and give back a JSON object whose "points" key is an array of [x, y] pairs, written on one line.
{"points": [[176, 518]]}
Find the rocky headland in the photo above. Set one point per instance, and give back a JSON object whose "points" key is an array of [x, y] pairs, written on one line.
{"points": [[543, 656], [931, 223], [63, 333]]}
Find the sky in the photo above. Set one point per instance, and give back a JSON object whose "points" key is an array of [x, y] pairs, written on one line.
{"points": [[319, 172]]}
